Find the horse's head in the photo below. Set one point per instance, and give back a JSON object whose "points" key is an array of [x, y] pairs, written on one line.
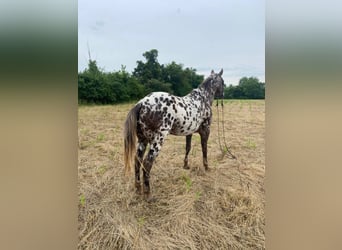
{"points": [[217, 83]]}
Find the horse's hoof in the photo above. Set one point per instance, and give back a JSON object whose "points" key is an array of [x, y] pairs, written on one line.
{"points": [[149, 198], [200, 171], [186, 167], [138, 190], [138, 187]]}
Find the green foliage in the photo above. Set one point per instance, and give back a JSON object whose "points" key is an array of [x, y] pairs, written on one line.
{"points": [[100, 137], [252, 88], [102, 169], [198, 195], [248, 88], [151, 69], [157, 85], [187, 181], [91, 84], [251, 144], [82, 200], [141, 221], [180, 80], [98, 87], [234, 92], [170, 78]]}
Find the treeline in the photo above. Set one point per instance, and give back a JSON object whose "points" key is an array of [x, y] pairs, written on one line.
{"points": [[248, 88], [97, 86], [100, 87]]}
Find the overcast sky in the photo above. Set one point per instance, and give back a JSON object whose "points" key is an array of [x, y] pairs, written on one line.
{"points": [[202, 34]]}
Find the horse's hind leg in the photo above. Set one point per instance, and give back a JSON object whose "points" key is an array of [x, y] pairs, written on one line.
{"points": [[155, 147], [148, 161], [187, 148], [138, 161]]}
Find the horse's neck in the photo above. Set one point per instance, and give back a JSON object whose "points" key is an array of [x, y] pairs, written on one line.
{"points": [[206, 96]]}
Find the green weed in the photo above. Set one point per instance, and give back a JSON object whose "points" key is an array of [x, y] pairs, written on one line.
{"points": [[82, 200], [141, 221], [102, 169], [188, 182], [100, 137], [251, 144], [198, 195], [241, 104], [85, 131]]}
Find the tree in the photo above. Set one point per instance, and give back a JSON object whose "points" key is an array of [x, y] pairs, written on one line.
{"points": [[194, 79], [134, 89], [151, 69], [248, 88], [124, 86], [154, 85], [92, 86], [169, 78], [252, 88], [97, 86], [234, 92], [174, 74]]}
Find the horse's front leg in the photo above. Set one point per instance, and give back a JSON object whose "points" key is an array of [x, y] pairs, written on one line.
{"points": [[187, 148], [204, 132]]}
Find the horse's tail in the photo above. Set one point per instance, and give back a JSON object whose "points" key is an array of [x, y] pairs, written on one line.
{"points": [[130, 133]]}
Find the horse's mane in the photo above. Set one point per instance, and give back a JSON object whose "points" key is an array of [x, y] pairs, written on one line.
{"points": [[206, 83]]}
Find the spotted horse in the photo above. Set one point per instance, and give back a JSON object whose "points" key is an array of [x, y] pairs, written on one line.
{"points": [[159, 114]]}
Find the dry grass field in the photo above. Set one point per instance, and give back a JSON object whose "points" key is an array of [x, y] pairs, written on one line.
{"points": [[223, 208]]}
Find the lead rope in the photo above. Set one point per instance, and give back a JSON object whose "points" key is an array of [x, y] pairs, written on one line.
{"points": [[218, 126], [224, 149]]}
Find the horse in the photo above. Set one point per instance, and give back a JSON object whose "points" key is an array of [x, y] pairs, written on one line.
{"points": [[159, 114]]}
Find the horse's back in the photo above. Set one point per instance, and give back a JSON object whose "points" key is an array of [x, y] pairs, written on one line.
{"points": [[162, 111]]}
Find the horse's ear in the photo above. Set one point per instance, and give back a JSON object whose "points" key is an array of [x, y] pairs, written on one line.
{"points": [[221, 72], [212, 72]]}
